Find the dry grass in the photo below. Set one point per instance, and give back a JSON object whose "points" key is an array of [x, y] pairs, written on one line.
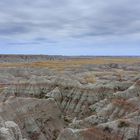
{"points": [[1, 89], [120, 74], [90, 78], [72, 63]]}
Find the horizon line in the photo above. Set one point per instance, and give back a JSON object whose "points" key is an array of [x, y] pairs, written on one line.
{"points": [[73, 55]]}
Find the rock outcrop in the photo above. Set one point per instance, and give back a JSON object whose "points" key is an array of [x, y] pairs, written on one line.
{"points": [[92, 102], [9, 130], [38, 119]]}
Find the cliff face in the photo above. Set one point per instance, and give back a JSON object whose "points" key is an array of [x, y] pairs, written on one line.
{"points": [[94, 102]]}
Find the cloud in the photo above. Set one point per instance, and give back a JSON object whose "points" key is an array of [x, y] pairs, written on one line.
{"points": [[53, 21]]}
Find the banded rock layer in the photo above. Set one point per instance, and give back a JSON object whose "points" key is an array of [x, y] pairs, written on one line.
{"points": [[95, 102]]}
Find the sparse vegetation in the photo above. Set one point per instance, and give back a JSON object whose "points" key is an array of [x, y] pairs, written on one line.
{"points": [[120, 74], [61, 65], [107, 129], [90, 78], [123, 123]]}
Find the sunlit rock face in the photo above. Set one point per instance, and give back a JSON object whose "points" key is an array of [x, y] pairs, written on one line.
{"points": [[87, 102]]}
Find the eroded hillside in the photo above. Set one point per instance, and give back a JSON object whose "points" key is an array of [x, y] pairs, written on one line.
{"points": [[69, 99]]}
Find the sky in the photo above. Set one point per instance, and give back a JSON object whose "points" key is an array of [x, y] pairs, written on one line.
{"points": [[70, 27]]}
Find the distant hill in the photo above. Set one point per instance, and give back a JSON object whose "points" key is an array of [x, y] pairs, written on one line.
{"points": [[35, 58]]}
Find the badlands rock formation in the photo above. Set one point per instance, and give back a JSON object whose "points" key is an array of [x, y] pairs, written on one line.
{"points": [[88, 102]]}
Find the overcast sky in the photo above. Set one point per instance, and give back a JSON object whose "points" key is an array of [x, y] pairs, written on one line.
{"points": [[70, 27]]}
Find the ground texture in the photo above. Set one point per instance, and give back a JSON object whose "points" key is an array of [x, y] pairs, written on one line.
{"points": [[69, 98]]}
